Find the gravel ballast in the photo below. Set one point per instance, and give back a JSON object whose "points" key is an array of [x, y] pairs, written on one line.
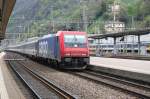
{"points": [[79, 87]]}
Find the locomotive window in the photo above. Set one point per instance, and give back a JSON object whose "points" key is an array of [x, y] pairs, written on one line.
{"points": [[75, 41], [75, 38]]}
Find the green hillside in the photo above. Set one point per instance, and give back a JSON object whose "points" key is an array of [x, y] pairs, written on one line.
{"points": [[39, 16]]}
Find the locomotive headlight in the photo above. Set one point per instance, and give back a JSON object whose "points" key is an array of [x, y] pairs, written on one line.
{"points": [[67, 54], [86, 59], [68, 59], [75, 45], [83, 54]]}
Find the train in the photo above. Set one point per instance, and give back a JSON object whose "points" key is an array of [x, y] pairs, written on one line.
{"points": [[67, 49]]}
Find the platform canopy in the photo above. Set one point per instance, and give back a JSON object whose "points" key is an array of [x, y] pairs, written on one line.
{"points": [[6, 7], [121, 34]]}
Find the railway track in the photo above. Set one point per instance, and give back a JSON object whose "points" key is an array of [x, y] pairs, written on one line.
{"points": [[130, 87], [124, 85], [39, 85]]}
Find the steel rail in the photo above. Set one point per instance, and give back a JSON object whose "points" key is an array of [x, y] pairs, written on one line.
{"points": [[62, 93], [118, 79], [24, 81], [109, 81], [51, 85]]}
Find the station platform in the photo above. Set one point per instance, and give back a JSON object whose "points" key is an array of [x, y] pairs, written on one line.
{"points": [[135, 57], [134, 69], [8, 86]]}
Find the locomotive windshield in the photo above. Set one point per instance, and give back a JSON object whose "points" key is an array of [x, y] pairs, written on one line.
{"points": [[75, 41]]}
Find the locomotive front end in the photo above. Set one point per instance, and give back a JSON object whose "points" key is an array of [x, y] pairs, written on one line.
{"points": [[76, 51]]}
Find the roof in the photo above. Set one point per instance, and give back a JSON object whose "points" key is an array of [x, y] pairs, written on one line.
{"points": [[69, 32], [47, 36], [6, 7], [121, 34]]}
